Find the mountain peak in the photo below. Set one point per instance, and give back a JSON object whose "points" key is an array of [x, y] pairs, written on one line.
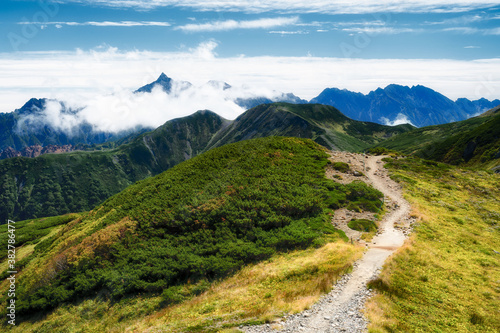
{"points": [[219, 84], [33, 105], [163, 81], [162, 76]]}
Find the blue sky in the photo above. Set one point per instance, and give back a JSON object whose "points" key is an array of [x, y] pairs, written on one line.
{"points": [[470, 31], [88, 47]]}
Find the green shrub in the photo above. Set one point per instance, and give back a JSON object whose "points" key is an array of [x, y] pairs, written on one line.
{"points": [[362, 225], [172, 295], [341, 166]]}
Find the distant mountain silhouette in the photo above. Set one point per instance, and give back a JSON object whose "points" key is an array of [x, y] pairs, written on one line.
{"points": [[420, 105]]}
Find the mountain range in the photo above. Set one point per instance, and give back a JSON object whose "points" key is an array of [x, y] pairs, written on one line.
{"points": [[418, 105], [27, 128]]}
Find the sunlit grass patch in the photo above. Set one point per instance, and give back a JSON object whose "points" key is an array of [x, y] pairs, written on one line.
{"points": [[446, 278]]}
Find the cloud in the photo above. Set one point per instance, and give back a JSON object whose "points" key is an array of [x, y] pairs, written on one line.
{"points": [[104, 24], [462, 20], [205, 50], [124, 110], [399, 120], [283, 32], [494, 31], [87, 75], [462, 30], [300, 6], [264, 23], [472, 47], [381, 30], [472, 31]]}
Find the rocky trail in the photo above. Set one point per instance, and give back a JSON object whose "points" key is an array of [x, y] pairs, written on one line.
{"points": [[341, 309]]}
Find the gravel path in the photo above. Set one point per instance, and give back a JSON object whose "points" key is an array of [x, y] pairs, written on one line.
{"points": [[341, 309]]}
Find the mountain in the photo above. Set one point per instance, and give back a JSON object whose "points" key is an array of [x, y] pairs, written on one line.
{"points": [[191, 225], [419, 105], [22, 131], [477, 107], [166, 84], [29, 127], [324, 124], [471, 142], [55, 184], [251, 102]]}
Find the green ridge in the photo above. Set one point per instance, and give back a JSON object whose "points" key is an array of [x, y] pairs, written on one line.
{"points": [[199, 221]]}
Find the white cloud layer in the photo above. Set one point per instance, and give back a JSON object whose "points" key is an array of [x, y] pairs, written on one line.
{"points": [[102, 79], [399, 120], [300, 6], [264, 23]]}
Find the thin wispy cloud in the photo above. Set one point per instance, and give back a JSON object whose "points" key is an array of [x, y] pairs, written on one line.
{"points": [[313, 6], [462, 20], [381, 30], [361, 23], [471, 31], [284, 32], [103, 24], [265, 23]]}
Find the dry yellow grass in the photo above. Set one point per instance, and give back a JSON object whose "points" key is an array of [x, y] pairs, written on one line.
{"points": [[286, 283]]}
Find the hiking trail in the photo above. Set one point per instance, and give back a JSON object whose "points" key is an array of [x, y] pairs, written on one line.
{"points": [[341, 309]]}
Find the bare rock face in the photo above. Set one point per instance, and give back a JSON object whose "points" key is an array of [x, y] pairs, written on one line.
{"points": [[32, 151], [35, 151], [9, 153]]}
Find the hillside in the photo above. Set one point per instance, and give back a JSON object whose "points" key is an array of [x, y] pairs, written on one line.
{"points": [[58, 184], [472, 142], [176, 233], [323, 124]]}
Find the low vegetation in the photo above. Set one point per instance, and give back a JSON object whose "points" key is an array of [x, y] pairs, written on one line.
{"points": [[446, 278], [341, 166], [284, 284], [474, 142], [363, 225], [170, 237]]}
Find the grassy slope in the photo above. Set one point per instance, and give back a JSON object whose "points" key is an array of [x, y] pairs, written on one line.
{"points": [[422, 138], [446, 278], [472, 142], [323, 124], [201, 220]]}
